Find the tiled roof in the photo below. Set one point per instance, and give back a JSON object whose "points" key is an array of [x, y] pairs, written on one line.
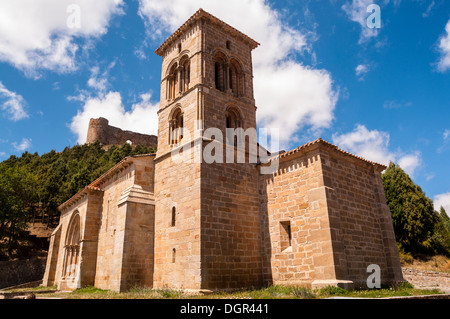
{"points": [[203, 14], [331, 147]]}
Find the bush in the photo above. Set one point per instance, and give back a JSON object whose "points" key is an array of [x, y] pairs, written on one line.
{"points": [[332, 290], [303, 293]]}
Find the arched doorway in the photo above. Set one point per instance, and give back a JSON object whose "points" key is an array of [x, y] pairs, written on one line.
{"points": [[72, 248]]}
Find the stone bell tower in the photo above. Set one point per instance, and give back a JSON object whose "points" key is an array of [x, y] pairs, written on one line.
{"points": [[207, 214]]}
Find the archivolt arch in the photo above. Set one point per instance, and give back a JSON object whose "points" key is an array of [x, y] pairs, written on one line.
{"points": [[72, 246]]}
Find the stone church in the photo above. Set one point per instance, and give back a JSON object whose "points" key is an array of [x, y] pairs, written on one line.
{"points": [[319, 219]]}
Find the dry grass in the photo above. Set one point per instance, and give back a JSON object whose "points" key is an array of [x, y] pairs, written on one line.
{"points": [[434, 263]]}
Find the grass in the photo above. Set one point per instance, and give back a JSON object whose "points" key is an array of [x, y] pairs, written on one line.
{"points": [[272, 292]]}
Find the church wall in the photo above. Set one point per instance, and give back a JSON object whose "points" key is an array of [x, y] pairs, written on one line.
{"points": [[359, 219], [112, 231], [294, 198], [177, 224], [231, 234], [137, 267]]}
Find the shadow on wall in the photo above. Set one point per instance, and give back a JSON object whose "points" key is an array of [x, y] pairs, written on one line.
{"points": [[14, 273]]}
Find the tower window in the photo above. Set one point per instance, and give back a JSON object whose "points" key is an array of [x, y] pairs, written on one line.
{"points": [[174, 255], [176, 127], [179, 48], [228, 45], [172, 82], [233, 122], [174, 216], [221, 72], [185, 74]]}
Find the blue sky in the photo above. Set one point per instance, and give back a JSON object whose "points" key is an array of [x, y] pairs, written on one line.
{"points": [[381, 93]]}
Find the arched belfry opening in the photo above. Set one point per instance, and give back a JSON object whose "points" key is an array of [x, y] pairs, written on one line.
{"points": [[221, 71], [176, 123], [235, 78], [178, 78], [185, 73], [72, 248], [234, 122], [172, 82]]}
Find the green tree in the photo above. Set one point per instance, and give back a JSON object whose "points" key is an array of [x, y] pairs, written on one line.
{"points": [[412, 211], [17, 194], [440, 241]]}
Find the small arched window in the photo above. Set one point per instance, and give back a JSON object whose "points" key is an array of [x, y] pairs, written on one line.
{"points": [[174, 255], [172, 82], [233, 122], [221, 72], [185, 74], [233, 118], [176, 127], [236, 78], [174, 216]]}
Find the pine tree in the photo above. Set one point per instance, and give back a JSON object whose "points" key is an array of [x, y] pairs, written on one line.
{"points": [[412, 211]]}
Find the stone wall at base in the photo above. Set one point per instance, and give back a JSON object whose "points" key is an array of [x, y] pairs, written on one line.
{"points": [[427, 279], [13, 273]]}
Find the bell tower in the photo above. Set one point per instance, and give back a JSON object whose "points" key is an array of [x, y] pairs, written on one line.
{"points": [[206, 224]]}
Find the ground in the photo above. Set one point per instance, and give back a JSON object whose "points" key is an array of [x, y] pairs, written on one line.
{"points": [[274, 292]]}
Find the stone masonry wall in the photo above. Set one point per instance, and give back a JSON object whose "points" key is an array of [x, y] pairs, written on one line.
{"points": [[424, 279], [231, 234], [112, 231], [288, 197], [177, 239], [362, 235], [13, 273]]}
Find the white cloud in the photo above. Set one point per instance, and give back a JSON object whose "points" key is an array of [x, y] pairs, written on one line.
{"points": [[394, 104], [23, 146], [35, 35], [357, 12], [446, 135], [374, 146], [427, 13], [410, 162], [444, 49], [141, 118], [289, 95], [442, 200], [362, 70], [99, 82], [12, 103]]}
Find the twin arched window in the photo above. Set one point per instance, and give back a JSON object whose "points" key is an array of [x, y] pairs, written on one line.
{"points": [[179, 78], [228, 75], [176, 126]]}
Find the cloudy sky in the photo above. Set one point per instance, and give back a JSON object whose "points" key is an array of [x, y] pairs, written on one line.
{"points": [[379, 88]]}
